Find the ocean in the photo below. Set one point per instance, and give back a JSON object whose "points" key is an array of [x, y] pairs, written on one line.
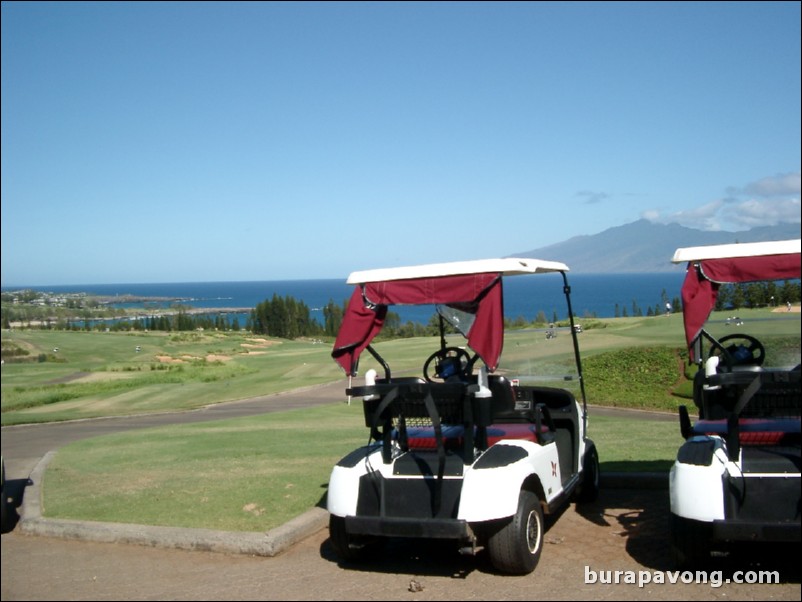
{"points": [[592, 295]]}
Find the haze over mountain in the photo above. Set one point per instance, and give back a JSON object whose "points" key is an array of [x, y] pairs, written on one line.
{"points": [[646, 247]]}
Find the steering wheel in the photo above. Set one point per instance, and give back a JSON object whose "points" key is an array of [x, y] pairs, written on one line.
{"points": [[451, 361], [745, 351]]}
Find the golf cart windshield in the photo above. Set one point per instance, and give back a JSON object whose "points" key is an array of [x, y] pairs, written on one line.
{"points": [[711, 266], [460, 319]]}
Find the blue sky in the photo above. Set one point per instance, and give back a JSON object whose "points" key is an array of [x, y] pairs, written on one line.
{"points": [[203, 141]]}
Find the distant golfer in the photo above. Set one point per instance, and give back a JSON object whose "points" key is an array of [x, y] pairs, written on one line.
{"points": [[668, 308]]}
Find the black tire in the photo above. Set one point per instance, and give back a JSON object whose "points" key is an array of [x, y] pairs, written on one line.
{"points": [[352, 548], [5, 525], [589, 489], [516, 547], [690, 543]]}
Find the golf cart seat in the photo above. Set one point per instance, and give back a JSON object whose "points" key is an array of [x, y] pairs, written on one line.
{"points": [[416, 414], [749, 393], [755, 411], [423, 437], [754, 431]]}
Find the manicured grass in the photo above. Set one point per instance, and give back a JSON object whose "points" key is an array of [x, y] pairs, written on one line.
{"points": [[255, 473], [247, 474], [634, 444]]}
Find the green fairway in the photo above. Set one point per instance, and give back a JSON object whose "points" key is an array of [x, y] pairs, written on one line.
{"points": [[257, 472], [70, 375], [115, 374]]}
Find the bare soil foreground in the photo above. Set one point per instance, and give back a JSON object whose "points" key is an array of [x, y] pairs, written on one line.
{"points": [[624, 531]]}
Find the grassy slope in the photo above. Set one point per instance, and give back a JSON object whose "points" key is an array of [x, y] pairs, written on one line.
{"points": [[103, 374]]}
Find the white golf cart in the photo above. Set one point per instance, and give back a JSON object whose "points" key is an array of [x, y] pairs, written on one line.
{"points": [[737, 476], [461, 450]]}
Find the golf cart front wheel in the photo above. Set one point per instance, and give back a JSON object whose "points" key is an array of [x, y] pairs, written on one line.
{"points": [[690, 542], [516, 547]]}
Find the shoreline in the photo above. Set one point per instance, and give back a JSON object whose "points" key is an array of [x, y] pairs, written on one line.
{"points": [[139, 315]]}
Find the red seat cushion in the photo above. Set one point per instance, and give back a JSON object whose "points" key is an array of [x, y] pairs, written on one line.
{"points": [[752, 431], [422, 438]]}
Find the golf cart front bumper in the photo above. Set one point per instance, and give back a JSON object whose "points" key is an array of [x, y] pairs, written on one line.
{"points": [[757, 531], [733, 530], [433, 528]]}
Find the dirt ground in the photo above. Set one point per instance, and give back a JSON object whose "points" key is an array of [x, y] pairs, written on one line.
{"points": [[625, 531]]}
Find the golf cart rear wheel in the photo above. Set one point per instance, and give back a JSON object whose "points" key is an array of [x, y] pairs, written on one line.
{"points": [[352, 548], [6, 506], [589, 490], [516, 547]]}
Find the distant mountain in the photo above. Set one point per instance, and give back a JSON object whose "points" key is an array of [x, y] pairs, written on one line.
{"points": [[645, 247]]}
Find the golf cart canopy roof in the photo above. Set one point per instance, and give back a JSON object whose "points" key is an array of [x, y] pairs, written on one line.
{"points": [[711, 266], [507, 266], [472, 286]]}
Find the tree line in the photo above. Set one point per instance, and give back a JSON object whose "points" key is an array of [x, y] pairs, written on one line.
{"points": [[757, 294]]}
